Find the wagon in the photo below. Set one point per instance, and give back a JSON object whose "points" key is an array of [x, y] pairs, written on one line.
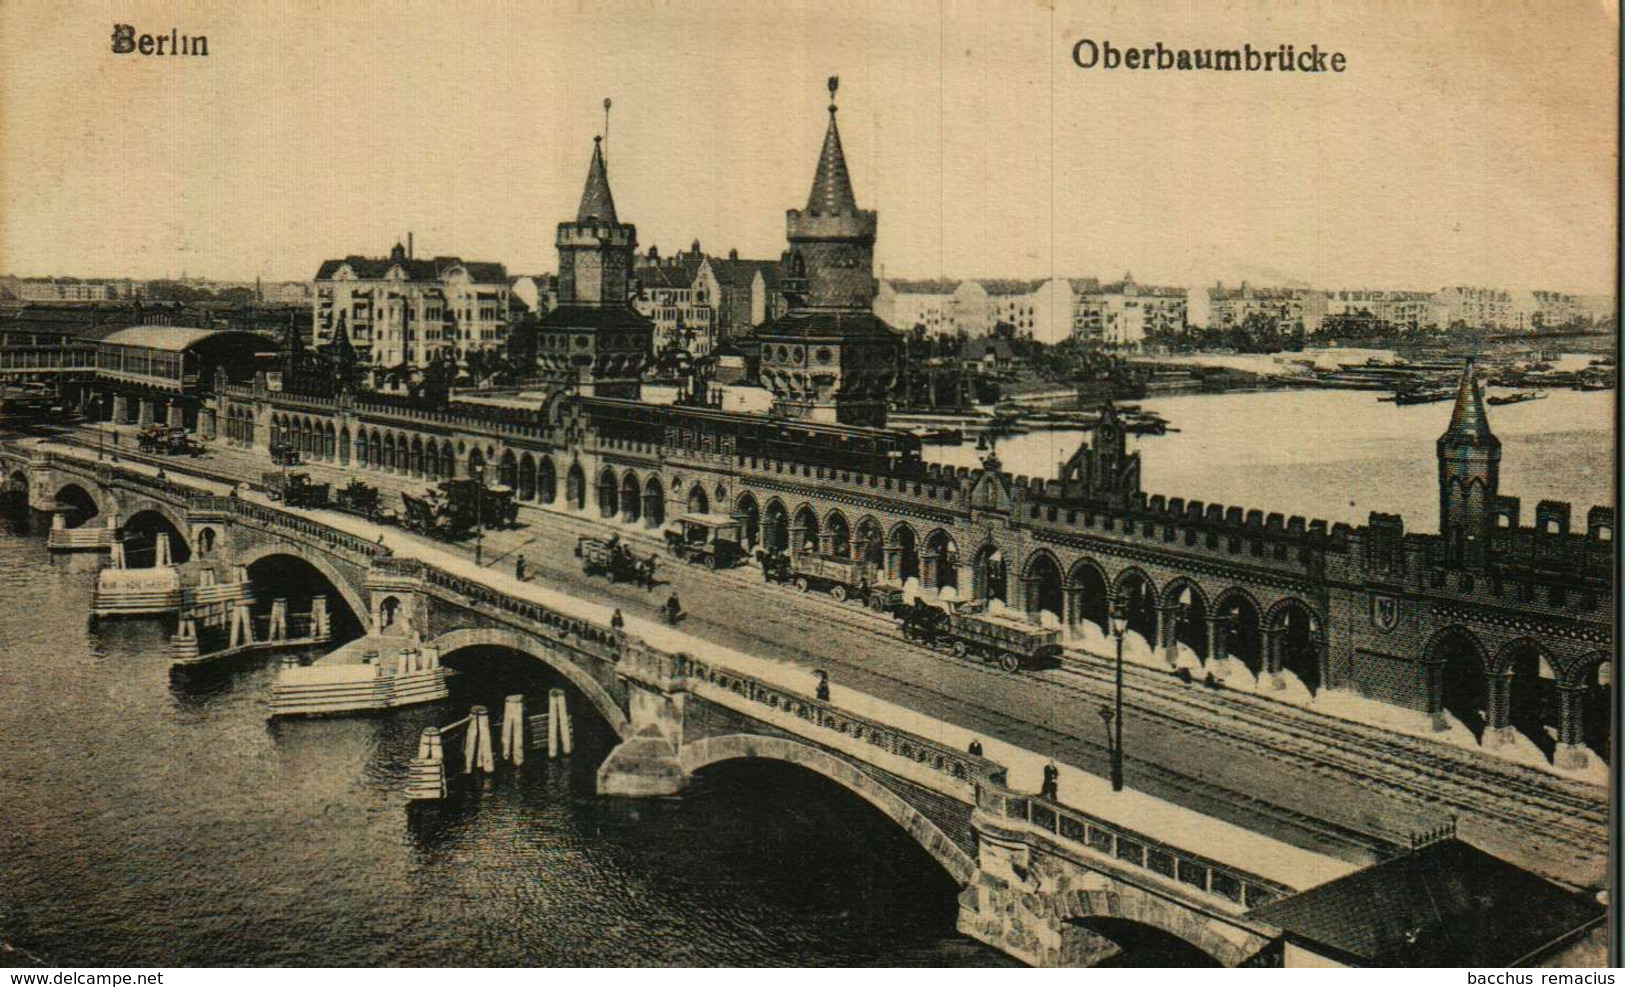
{"points": [[842, 578], [603, 557], [295, 489], [1010, 641], [711, 540]]}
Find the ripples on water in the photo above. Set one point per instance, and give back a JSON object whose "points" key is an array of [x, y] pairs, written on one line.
{"points": [[147, 821]]}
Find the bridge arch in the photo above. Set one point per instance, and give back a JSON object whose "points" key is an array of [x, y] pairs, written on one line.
{"points": [[775, 526], [1593, 677], [631, 497], [1127, 904], [939, 563], [547, 481], [990, 574], [1090, 591], [493, 637], [1042, 583], [143, 526], [86, 500], [906, 542], [176, 519], [1297, 633], [1243, 634], [609, 487], [749, 514], [348, 593], [701, 754], [869, 543], [1185, 602], [1137, 592], [1463, 675], [575, 487], [1526, 672], [804, 525], [840, 534], [431, 459], [527, 478]]}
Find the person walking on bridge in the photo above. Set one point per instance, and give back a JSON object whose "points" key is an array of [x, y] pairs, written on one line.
{"points": [[519, 568]]}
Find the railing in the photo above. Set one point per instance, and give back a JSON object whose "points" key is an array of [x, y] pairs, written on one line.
{"points": [[580, 634], [280, 521], [956, 764], [1124, 845]]}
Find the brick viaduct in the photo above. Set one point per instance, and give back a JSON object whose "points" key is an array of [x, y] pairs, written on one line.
{"points": [[1371, 610]]}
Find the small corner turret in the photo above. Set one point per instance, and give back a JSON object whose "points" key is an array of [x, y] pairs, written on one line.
{"points": [[1469, 475]]}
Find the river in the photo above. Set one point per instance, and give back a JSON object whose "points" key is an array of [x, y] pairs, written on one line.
{"points": [[151, 821], [1340, 455]]}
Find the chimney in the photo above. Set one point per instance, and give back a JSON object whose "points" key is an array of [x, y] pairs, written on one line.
{"points": [[408, 244]]}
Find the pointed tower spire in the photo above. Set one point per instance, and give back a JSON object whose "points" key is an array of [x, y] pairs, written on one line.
{"points": [[1468, 420], [832, 187], [597, 204]]}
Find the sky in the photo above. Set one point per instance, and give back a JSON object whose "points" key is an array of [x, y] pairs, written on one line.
{"points": [[1466, 143]]}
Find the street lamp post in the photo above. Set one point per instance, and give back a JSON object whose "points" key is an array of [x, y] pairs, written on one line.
{"points": [[479, 514], [1119, 620]]}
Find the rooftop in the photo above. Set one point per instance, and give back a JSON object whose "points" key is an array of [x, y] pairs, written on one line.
{"points": [[170, 338], [821, 323], [376, 268], [1446, 904]]}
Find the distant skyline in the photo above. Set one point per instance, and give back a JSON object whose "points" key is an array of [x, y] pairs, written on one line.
{"points": [[1464, 145]]}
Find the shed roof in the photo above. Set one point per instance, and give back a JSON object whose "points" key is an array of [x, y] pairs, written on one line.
{"points": [[1447, 904], [170, 338]]}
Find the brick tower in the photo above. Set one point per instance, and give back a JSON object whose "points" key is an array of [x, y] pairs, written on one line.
{"points": [[1469, 476], [828, 358], [594, 341]]}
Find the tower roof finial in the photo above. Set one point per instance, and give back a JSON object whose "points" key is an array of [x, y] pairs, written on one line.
{"points": [[1468, 419], [597, 204], [832, 185]]}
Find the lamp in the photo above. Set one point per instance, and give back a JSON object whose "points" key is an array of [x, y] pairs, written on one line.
{"points": [[1119, 615], [1119, 620]]}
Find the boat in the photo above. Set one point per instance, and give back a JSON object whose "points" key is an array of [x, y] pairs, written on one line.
{"points": [[1422, 397], [1517, 398]]}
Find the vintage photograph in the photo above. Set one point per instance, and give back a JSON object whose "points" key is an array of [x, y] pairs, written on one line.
{"points": [[630, 483]]}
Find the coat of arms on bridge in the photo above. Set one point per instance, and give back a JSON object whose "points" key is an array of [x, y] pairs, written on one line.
{"points": [[1384, 611]]}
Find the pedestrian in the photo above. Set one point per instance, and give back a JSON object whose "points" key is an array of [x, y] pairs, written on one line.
{"points": [[823, 685], [519, 568], [976, 748], [617, 623], [649, 573], [1052, 782]]}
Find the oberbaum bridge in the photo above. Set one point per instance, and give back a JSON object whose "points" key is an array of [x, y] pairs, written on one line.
{"points": [[1495, 622]]}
